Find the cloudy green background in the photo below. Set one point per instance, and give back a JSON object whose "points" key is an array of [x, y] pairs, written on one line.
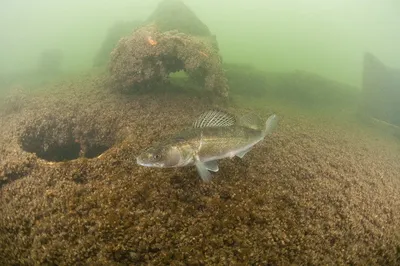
{"points": [[327, 37]]}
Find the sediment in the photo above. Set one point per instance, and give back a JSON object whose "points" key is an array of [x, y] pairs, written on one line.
{"points": [[314, 192]]}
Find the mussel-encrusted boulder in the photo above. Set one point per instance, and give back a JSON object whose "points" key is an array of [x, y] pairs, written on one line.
{"points": [[147, 57]]}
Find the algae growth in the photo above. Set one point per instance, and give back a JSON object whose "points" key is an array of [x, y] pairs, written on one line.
{"points": [[322, 189]]}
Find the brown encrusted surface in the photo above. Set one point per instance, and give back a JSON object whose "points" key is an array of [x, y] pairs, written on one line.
{"points": [[146, 58], [313, 193]]}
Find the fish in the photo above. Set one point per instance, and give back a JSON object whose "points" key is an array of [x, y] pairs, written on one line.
{"points": [[214, 135]]}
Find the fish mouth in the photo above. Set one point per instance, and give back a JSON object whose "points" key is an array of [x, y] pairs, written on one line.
{"points": [[140, 162], [143, 163]]}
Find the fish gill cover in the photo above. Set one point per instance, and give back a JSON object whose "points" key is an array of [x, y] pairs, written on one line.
{"points": [[172, 39]]}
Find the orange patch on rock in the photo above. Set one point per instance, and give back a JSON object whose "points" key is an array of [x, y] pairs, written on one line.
{"points": [[151, 41]]}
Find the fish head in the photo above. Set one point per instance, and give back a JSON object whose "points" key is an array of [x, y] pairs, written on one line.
{"points": [[162, 156]]}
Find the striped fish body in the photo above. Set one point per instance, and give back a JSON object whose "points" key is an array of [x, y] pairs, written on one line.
{"points": [[214, 135], [214, 143]]}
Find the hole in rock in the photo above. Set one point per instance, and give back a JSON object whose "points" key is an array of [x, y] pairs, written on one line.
{"points": [[95, 151], [57, 143]]}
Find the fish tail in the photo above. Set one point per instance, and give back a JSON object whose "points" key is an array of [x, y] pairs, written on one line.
{"points": [[270, 125]]}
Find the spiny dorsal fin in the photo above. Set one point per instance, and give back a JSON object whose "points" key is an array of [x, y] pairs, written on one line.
{"points": [[251, 121], [215, 118]]}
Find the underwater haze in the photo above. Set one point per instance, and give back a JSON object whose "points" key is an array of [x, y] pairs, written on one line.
{"points": [[199, 132], [325, 37]]}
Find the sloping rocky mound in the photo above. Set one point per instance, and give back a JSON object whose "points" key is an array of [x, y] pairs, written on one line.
{"points": [[168, 44], [300, 88], [174, 15], [314, 193]]}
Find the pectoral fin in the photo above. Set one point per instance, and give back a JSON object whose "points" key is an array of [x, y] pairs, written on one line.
{"points": [[203, 171], [212, 166]]}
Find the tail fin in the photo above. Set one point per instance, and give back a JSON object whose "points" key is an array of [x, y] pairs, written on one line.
{"points": [[270, 125]]}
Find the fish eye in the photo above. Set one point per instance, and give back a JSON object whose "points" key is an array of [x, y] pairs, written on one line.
{"points": [[156, 156]]}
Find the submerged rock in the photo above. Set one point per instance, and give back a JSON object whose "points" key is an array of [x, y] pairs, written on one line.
{"points": [[300, 88], [381, 90], [313, 194], [166, 44], [174, 15], [14, 100]]}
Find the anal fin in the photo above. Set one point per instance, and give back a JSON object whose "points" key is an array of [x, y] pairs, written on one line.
{"points": [[242, 153]]}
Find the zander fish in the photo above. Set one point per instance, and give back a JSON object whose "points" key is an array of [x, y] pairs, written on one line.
{"points": [[214, 135]]}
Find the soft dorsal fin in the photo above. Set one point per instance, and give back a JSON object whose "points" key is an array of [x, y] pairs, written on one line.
{"points": [[252, 121], [215, 118]]}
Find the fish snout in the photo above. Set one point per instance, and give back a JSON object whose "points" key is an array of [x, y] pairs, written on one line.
{"points": [[149, 160], [143, 160]]}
